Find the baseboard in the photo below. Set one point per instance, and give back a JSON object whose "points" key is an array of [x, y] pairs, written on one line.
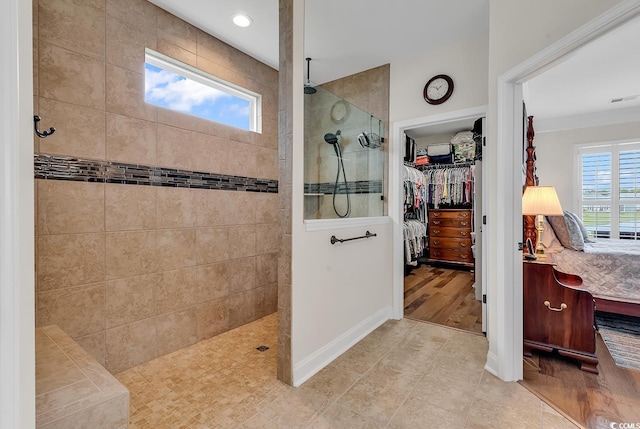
{"points": [[492, 364], [312, 364]]}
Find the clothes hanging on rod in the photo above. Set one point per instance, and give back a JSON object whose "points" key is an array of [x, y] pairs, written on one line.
{"points": [[415, 193], [414, 233], [449, 185]]}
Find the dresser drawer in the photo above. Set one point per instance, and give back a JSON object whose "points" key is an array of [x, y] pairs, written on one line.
{"points": [[449, 232], [450, 222], [452, 255], [450, 214], [449, 243]]}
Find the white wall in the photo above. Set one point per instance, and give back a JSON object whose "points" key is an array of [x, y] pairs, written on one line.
{"points": [[465, 61], [17, 330], [519, 29], [555, 155]]}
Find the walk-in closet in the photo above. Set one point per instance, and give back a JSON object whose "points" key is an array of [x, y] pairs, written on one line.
{"points": [[442, 206]]}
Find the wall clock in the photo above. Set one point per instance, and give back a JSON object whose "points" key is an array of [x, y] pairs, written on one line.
{"points": [[438, 89]]}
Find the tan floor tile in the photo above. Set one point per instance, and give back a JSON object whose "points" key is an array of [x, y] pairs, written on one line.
{"points": [[415, 413]]}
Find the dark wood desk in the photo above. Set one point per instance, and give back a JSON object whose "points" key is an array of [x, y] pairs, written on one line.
{"points": [[558, 315]]}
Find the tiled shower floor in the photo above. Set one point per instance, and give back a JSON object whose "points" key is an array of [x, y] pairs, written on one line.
{"points": [[406, 374]]}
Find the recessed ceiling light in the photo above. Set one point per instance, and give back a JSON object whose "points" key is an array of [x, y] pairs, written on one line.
{"points": [[241, 20]]}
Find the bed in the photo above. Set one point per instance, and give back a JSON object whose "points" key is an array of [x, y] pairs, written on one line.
{"points": [[610, 269]]}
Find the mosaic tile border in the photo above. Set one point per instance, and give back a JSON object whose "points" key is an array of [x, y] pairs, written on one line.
{"points": [[355, 187], [53, 167]]}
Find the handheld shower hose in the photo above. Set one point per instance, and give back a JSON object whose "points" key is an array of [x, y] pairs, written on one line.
{"points": [[333, 139]]}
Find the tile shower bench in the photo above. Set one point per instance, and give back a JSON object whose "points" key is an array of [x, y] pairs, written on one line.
{"points": [[72, 389]]}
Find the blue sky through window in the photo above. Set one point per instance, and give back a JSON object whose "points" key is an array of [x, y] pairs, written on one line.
{"points": [[172, 91]]}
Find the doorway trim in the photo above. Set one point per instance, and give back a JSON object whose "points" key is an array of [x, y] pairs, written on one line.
{"points": [[395, 191], [505, 354]]}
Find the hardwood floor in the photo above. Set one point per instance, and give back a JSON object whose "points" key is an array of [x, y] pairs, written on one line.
{"points": [[443, 296], [590, 400]]}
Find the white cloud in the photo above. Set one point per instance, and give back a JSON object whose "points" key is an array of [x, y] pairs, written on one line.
{"points": [[175, 92]]}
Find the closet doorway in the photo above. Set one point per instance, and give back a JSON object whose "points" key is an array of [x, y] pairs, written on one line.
{"points": [[442, 245]]}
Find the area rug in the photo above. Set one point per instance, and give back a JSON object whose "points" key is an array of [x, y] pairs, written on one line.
{"points": [[621, 334]]}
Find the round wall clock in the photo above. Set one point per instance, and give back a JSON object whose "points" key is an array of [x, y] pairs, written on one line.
{"points": [[438, 89]]}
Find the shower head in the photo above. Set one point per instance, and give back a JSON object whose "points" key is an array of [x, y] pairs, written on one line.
{"points": [[332, 138], [308, 88]]}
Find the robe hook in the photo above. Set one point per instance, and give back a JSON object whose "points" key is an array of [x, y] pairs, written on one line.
{"points": [[42, 134]]}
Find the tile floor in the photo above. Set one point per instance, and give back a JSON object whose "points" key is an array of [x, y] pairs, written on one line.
{"points": [[406, 374]]}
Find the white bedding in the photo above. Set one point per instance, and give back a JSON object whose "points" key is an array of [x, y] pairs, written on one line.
{"points": [[613, 247]]}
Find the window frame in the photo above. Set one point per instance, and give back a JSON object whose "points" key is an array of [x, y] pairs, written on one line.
{"points": [[614, 149], [189, 72]]}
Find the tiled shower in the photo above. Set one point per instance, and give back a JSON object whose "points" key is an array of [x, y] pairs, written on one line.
{"points": [[154, 229]]}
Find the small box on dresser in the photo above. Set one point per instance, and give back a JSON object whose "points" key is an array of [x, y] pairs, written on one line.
{"points": [[450, 236]]}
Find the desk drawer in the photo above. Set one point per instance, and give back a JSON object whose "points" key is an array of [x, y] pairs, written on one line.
{"points": [[450, 214], [452, 255], [450, 222]]}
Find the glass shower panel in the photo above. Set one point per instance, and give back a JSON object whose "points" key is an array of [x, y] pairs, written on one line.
{"points": [[344, 159]]}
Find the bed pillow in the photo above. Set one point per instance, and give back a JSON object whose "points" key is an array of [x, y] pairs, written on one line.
{"points": [[549, 239], [559, 226], [583, 230], [575, 234]]}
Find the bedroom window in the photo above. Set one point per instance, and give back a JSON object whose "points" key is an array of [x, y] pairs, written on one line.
{"points": [[610, 190], [178, 86]]}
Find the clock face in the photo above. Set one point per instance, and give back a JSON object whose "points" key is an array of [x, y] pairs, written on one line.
{"points": [[438, 89]]}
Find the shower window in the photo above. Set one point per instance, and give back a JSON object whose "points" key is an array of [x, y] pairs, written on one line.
{"points": [[178, 86], [344, 157]]}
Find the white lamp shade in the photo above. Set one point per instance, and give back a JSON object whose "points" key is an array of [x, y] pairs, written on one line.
{"points": [[541, 200]]}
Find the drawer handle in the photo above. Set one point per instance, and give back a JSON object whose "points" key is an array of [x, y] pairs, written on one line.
{"points": [[465, 214], [463, 255], [463, 244], [436, 214], [436, 222], [463, 232], [436, 231], [464, 223], [436, 253], [548, 305], [436, 242]]}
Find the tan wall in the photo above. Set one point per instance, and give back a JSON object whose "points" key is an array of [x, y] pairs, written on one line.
{"points": [[134, 272]]}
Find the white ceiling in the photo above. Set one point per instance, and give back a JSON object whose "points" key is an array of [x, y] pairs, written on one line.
{"points": [[344, 37]]}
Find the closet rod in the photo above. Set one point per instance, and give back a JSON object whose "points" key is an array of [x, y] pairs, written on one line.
{"points": [[436, 166]]}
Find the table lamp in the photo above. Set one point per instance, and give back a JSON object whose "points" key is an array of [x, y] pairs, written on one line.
{"points": [[540, 201]]}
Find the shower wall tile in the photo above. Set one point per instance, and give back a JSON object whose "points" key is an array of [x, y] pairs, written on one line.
{"points": [[94, 345], [266, 269], [176, 290], [77, 310], [176, 330], [68, 76], [130, 345], [242, 308], [125, 94], [176, 248], [174, 51], [266, 300], [77, 25], [130, 254], [214, 208], [242, 274], [213, 281], [242, 241], [136, 13], [266, 206], [211, 153], [129, 300], [267, 238], [212, 318], [69, 208], [80, 130], [177, 207], [176, 31], [125, 45], [130, 140], [151, 268], [212, 245], [130, 208], [70, 260]]}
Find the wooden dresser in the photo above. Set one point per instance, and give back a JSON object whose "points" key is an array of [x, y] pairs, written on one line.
{"points": [[558, 315], [450, 236]]}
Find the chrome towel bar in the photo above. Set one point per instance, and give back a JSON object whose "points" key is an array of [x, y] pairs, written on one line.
{"points": [[335, 240]]}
